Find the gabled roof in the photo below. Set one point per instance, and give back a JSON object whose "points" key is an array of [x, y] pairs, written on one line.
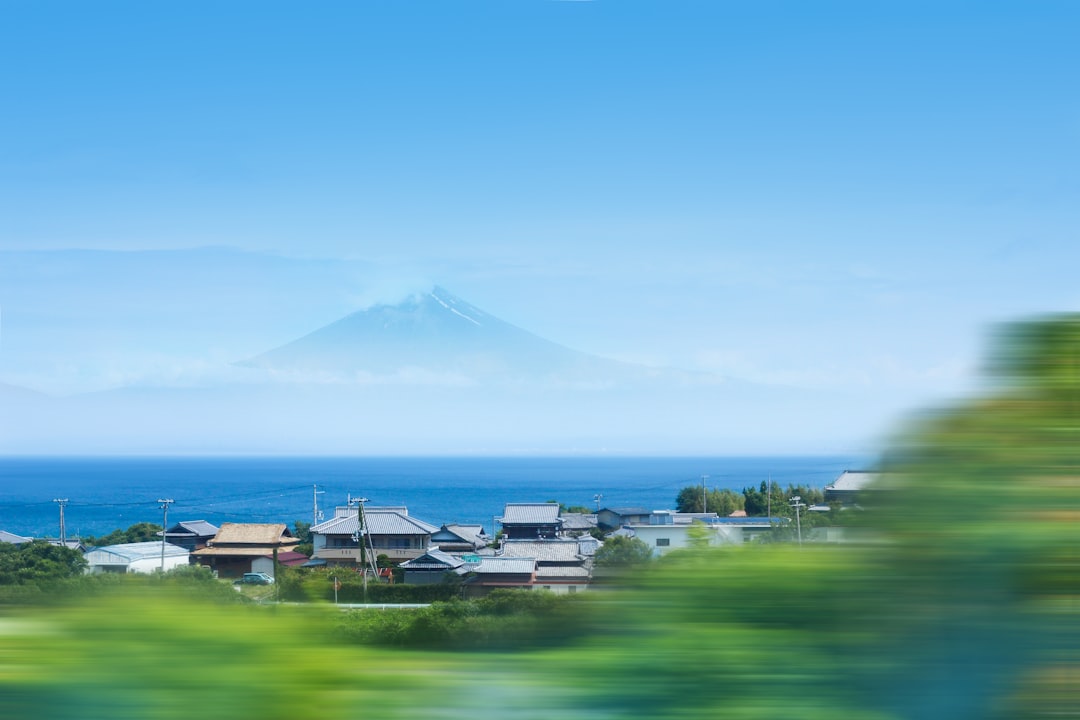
{"points": [[264, 534], [453, 533], [543, 550], [12, 538], [346, 510], [626, 510], [433, 559], [192, 528], [506, 566], [134, 551], [531, 514], [579, 521], [379, 522]]}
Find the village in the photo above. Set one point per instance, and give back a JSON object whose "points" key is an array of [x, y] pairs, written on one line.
{"points": [[543, 546]]}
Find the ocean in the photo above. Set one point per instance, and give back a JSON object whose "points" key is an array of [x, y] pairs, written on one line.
{"points": [[104, 494]]}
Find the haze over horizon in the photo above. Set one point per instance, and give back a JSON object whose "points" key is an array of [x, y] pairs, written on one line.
{"points": [[831, 205]]}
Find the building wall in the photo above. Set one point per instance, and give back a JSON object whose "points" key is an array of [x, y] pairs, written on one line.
{"points": [[665, 538]]}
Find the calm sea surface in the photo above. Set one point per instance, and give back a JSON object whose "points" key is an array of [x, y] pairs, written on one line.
{"points": [[109, 493]]}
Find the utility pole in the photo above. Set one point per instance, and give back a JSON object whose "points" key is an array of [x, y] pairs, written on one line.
{"points": [[798, 504], [63, 531], [704, 495], [363, 538], [768, 512], [165, 503], [598, 497]]}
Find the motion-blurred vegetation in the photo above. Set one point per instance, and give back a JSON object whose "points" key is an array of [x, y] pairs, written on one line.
{"points": [[964, 605]]}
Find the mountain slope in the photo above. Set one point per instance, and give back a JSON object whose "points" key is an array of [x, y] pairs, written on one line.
{"points": [[436, 337]]}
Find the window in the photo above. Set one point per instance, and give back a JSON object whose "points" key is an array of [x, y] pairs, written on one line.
{"points": [[663, 542]]}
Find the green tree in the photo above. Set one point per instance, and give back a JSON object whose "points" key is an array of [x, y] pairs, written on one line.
{"points": [[38, 562], [620, 551], [139, 532], [721, 501]]}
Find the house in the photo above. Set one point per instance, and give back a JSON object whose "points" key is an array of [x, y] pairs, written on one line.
{"points": [[191, 534], [239, 548], [615, 518], [456, 538], [14, 539], [560, 565], [530, 521], [142, 557], [432, 567], [494, 573], [390, 531], [576, 524], [668, 530], [849, 487]]}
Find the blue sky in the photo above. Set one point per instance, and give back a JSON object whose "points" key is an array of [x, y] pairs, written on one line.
{"points": [[841, 195]]}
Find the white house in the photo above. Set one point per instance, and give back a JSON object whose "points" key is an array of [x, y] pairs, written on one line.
{"points": [[668, 530], [142, 557]]}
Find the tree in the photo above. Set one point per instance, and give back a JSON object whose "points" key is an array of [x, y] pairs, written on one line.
{"points": [[139, 532], [721, 501], [37, 562], [622, 551]]}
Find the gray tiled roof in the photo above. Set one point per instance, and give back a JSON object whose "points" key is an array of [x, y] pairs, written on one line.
{"points": [[543, 550], [433, 560], [379, 522], [192, 528], [12, 538], [531, 514], [578, 521], [504, 565]]}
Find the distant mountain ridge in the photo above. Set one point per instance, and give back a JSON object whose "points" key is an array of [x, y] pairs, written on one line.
{"points": [[436, 337]]}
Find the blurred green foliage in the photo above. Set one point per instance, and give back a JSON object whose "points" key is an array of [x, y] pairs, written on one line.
{"points": [[961, 604], [503, 620]]}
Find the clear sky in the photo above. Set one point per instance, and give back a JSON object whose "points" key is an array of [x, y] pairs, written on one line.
{"points": [[837, 195]]}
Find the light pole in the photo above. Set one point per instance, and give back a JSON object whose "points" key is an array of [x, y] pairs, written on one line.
{"points": [[797, 503]]}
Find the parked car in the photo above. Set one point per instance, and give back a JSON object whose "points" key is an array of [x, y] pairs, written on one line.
{"points": [[255, 578]]}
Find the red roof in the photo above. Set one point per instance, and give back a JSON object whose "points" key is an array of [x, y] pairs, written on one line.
{"points": [[291, 558]]}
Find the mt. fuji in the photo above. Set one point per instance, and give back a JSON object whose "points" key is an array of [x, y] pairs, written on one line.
{"points": [[437, 338]]}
